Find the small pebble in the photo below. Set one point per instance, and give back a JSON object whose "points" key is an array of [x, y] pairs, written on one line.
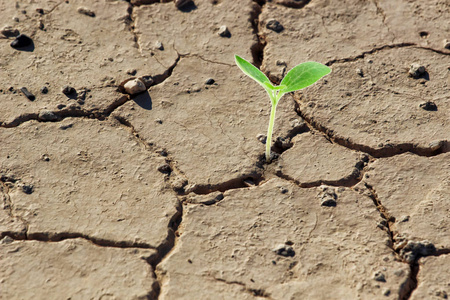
{"points": [[223, 31], [429, 106], [61, 106], [360, 72], [159, 45], [45, 157], [82, 95], [40, 11], [27, 94], [27, 188], [86, 11], [446, 44], [328, 196], [274, 25], [165, 169], [284, 250], [134, 86], [68, 90], [8, 31], [416, 70], [182, 3], [147, 80], [283, 190], [46, 115], [435, 145], [41, 25], [131, 72], [21, 41], [262, 138], [6, 240], [159, 121], [210, 81], [386, 292], [378, 276]]}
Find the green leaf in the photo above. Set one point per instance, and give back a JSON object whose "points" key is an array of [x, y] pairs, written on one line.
{"points": [[253, 72], [303, 75]]}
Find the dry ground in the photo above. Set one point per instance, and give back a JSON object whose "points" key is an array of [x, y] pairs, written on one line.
{"points": [[165, 194]]}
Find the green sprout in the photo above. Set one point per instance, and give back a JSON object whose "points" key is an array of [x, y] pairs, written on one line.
{"points": [[297, 78]]}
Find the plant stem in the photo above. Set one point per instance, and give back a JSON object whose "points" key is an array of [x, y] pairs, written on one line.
{"points": [[270, 131]]}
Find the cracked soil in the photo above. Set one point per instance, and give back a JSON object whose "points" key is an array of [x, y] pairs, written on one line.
{"points": [[166, 195]]}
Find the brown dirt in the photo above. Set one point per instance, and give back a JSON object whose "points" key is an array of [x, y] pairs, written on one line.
{"points": [[165, 194]]}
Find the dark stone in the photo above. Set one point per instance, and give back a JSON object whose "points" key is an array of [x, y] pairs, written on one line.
{"points": [[210, 81], [429, 105], [274, 25], [27, 94], [21, 41], [67, 90], [285, 250], [44, 90], [28, 188], [166, 169]]}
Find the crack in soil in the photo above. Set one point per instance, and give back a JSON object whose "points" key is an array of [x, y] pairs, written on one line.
{"points": [[61, 236], [384, 47], [257, 49], [408, 252], [383, 16], [363, 54], [165, 249], [78, 112], [350, 181], [388, 150]]}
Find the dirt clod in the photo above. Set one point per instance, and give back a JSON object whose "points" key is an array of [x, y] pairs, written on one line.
{"points": [[379, 276], [223, 31], [416, 249], [327, 196], [9, 31], [274, 25], [284, 250], [416, 70], [47, 115], [165, 169], [86, 11], [262, 138], [68, 90], [429, 105], [159, 45]]}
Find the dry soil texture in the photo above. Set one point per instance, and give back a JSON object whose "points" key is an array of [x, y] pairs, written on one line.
{"points": [[166, 195]]}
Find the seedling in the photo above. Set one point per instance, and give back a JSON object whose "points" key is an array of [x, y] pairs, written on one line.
{"points": [[297, 78]]}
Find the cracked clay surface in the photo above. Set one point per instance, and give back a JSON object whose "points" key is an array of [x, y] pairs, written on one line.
{"points": [[166, 195]]}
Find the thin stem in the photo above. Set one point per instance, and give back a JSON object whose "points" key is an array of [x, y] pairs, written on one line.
{"points": [[269, 131], [274, 97]]}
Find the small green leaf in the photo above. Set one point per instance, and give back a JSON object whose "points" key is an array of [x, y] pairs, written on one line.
{"points": [[303, 75], [253, 72]]}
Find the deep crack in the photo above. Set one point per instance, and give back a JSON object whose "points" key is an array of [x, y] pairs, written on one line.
{"points": [[257, 49], [387, 150], [164, 249]]}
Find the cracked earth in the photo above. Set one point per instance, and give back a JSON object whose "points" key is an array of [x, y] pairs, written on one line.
{"points": [[166, 195]]}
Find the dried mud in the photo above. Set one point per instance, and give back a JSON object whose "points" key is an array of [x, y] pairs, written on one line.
{"points": [[166, 194]]}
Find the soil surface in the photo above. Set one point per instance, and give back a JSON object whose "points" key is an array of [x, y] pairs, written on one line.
{"points": [[165, 194]]}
